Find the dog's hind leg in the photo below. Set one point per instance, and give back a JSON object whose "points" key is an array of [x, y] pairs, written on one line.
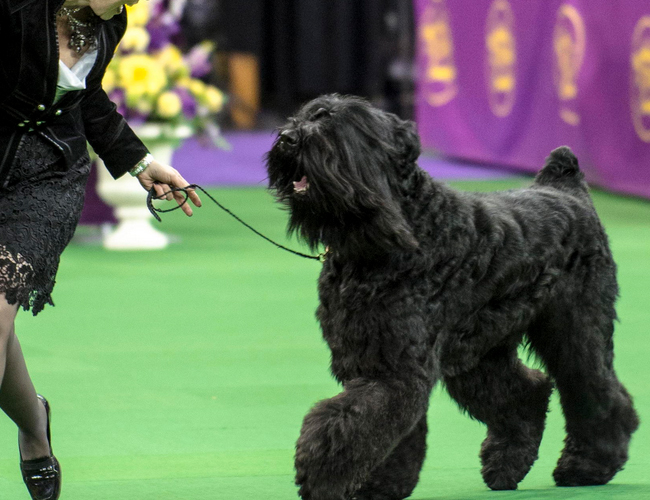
{"points": [[512, 400], [345, 438], [575, 342], [398, 475]]}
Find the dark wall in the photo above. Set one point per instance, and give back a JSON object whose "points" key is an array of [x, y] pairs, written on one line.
{"points": [[310, 47]]}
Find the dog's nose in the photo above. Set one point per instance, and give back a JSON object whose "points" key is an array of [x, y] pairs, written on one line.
{"points": [[290, 137]]}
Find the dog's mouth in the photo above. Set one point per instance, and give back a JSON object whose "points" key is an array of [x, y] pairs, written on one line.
{"points": [[301, 186]]}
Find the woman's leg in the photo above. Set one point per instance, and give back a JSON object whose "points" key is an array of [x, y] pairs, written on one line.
{"points": [[17, 395]]}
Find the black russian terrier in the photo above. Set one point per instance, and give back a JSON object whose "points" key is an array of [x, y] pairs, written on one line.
{"points": [[422, 284]]}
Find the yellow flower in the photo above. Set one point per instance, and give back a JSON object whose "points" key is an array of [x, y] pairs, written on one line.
{"points": [[169, 105], [141, 75], [110, 79], [209, 96], [213, 99], [197, 87], [144, 106], [135, 39], [139, 102], [138, 14], [172, 59], [184, 82]]}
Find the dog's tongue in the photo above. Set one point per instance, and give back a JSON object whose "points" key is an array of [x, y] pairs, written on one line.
{"points": [[301, 185]]}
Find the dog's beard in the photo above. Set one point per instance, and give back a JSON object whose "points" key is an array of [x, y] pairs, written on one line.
{"points": [[337, 186]]}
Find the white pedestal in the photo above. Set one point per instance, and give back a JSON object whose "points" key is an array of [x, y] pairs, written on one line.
{"points": [[134, 230]]}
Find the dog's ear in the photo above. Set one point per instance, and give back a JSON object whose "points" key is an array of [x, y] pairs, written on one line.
{"points": [[407, 140]]}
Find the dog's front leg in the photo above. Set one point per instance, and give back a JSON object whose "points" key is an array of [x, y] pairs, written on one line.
{"points": [[344, 438]]}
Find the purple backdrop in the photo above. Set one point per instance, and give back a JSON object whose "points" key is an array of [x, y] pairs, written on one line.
{"points": [[507, 81]]}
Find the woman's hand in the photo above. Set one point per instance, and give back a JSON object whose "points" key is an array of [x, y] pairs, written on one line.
{"points": [[167, 177]]}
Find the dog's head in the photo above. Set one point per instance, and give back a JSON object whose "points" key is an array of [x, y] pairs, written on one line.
{"points": [[339, 166]]}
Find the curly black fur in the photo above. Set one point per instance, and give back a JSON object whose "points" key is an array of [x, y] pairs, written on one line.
{"points": [[425, 284]]}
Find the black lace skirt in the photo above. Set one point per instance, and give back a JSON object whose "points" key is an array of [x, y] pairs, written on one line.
{"points": [[40, 206]]}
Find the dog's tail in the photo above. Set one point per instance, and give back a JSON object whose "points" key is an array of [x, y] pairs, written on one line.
{"points": [[561, 170]]}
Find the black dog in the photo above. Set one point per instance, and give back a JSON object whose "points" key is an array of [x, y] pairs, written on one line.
{"points": [[424, 284]]}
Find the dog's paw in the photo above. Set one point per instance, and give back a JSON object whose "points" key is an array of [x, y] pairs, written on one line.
{"points": [[502, 477], [582, 465], [322, 492], [575, 471], [317, 475], [506, 462]]}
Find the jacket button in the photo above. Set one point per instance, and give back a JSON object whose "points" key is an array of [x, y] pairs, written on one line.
{"points": [[58, 112], [41, 107]]}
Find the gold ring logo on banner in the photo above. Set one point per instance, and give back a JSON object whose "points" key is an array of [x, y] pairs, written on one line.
{"points": [[438, 47], [569, 45], [501, 58], [640, 78]]}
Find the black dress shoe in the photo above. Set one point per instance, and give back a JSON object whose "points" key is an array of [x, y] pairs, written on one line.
{"points": [[43, 475]]}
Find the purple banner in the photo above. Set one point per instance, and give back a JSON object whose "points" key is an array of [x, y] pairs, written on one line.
{"points": [[507, 81]]}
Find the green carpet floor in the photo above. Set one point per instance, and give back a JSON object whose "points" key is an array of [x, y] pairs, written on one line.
{"points": [[185, 374]]}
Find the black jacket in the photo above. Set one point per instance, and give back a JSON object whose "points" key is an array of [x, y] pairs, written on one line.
{"points": [[29, 68]]}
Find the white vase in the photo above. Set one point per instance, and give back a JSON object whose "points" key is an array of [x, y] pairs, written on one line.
{"points": [[134, 230]]}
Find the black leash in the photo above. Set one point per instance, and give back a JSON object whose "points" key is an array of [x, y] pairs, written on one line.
{"points": [[154, 211]]}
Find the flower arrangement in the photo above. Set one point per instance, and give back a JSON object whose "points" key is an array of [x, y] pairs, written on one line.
{"points": [[152, 81]]}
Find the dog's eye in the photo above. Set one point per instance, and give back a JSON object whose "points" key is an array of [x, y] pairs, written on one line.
{"points": [[320, 113]]}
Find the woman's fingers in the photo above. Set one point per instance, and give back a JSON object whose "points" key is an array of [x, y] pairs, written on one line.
{"points": [[180, 199], [194, 197], [182, 183], [166, 180], [160, 190], [163, 191], [180, 196]]}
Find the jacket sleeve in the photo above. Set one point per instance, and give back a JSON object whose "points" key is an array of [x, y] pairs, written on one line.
{"points": [[108, 132]]}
